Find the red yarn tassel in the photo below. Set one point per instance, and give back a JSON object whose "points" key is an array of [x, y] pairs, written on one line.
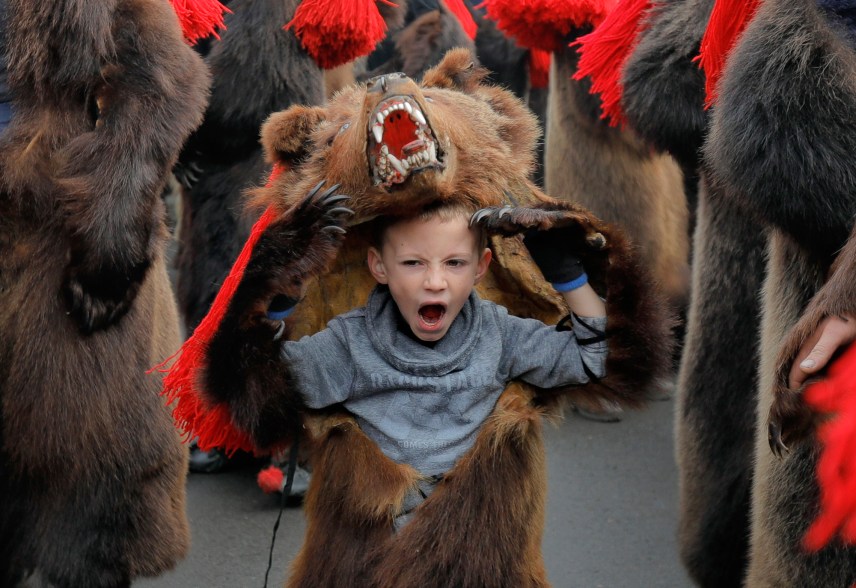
{"points": [[463, 15], [728, 20], [544, 24], [212, 425], [270, 479], [539, 68], [836, 467], [335, 32], [199, 18], [604, 51]]}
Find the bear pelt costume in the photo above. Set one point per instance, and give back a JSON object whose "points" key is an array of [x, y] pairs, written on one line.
{"points": [[614, 173], [663, 99], [257, 68], [781, 144], [476, 149], [92, 471]]}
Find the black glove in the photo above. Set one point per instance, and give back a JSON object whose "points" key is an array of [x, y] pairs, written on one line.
{"points": [[549, 250]]}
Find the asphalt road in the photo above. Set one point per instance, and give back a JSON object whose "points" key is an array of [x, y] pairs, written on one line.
{"points": [[611, 513]]}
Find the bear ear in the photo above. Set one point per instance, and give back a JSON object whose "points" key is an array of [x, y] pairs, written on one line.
{"points": [[286, 135], [459, 70]]}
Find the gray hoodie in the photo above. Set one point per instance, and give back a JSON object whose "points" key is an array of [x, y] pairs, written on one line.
{"points": [[424, 405]]}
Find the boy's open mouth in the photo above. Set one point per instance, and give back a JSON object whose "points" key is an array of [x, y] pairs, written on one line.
{"points": [[431, 315]]}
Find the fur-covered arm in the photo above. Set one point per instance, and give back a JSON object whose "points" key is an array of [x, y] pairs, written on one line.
{"points": [[150, 95], [790, 419], [638, 326], [782, 135], [663, 94], [243, 368]]}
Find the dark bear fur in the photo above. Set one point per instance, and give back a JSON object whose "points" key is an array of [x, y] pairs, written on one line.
{"points": [[615, 174], [782, 143], [355, 490], [715, 419], [91, 469], [257, 69]]}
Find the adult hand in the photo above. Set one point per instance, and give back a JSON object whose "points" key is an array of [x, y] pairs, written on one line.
{"points": [[833, 333]]}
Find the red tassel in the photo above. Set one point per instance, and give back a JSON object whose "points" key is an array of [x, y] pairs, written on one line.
{"points": [[728, 20], [270, 479], [335, 32], [544, 24], [836, 467], [539, 68], [463, 15], [211, 425], [604, 51], [200, 18]]}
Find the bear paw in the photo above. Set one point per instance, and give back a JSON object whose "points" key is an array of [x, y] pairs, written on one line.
{"points": [[789, 421], [508, 221], [96, 299]]}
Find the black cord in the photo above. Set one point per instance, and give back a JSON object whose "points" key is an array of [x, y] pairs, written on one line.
{"points": [[286, 490]]}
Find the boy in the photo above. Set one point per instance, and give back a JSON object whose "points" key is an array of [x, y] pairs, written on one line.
{"points": [[422, 365]]}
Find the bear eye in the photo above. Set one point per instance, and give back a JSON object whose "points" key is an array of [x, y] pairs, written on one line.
{"points": [[341, 130]]}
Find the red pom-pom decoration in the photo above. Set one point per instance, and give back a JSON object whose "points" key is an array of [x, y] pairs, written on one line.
{"points": [[545, 24], [459, 9], [728, 20], [604, 52], [335, 32], [836, 467], [539, 68], [211, 425], [199, 18], [270, 479]]}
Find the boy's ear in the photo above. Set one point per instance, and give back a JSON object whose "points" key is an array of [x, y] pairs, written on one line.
{"points": [[483, 264], [376, 267]]}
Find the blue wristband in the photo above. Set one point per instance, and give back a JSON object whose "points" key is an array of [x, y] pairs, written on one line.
{"points": [[582, 280], [278, 315]]}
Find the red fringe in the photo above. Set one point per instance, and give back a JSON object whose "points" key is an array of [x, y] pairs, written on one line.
{"points": [[270, 479], [539, 68], [836, 467], [463, 15], [211, 425], [335, 32], [200, 18], [544, 24], [604, 51], [728, 20]]}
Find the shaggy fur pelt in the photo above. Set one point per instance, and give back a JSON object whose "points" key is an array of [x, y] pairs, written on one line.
{"points": [[91, 469], [356, 491], [781, 144], [715, 420]]}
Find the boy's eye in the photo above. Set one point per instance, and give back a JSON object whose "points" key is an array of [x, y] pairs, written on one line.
{"points": [[456, 263], [410, 262]]}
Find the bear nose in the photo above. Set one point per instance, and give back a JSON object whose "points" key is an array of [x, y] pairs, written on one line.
{"points": [[384, 83]]}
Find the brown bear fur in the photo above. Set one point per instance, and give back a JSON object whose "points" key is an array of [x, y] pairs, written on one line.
{"points": [[91, 469], [716, 396], [356, 491], [792, 170], [615, 174]]}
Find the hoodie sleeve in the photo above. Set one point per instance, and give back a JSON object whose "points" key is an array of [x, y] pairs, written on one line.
{"points": [[543, 356]]}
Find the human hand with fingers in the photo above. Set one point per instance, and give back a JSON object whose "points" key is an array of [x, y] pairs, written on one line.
{"points": [[833, 333]]}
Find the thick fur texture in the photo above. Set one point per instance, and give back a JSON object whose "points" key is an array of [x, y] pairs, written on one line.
{"points": [[793, 170], [257, 69], [356, 491], [716, 393], [616, 175], [91, 469]]}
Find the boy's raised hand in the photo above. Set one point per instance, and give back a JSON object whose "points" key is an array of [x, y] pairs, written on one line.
{"points": [[551, 236]]}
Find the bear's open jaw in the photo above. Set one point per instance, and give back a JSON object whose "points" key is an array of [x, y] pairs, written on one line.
{"points": [[400, 141]]}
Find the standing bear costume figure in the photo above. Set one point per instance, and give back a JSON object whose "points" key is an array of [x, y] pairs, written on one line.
{"points": [[92, 472], [466, 143]]}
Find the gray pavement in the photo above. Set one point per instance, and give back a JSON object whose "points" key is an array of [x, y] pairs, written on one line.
{"points": [[611, 513]]}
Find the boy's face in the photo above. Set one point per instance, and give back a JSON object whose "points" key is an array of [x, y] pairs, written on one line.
{"points": [[430, 267]]}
